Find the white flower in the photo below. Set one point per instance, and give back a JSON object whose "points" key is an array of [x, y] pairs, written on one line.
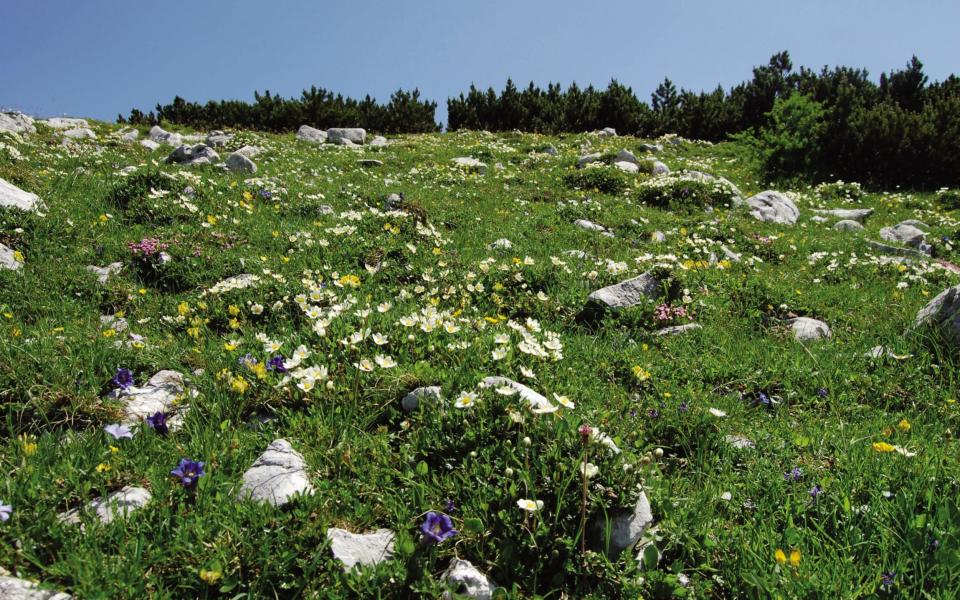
{"points": [[528, 373], [717, 412], [499, 353], [544, 408], [379, 339], [506, 390], [530, 505], [564, 401], [589, 470], [306, 385], [364, 365], [451, 327], [270, 347], [385, 362], [384, 307], [501, 338], [256, 309], [465, 400]]}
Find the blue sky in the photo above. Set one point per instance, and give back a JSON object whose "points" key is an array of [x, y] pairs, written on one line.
{"points": [[98, 58]]}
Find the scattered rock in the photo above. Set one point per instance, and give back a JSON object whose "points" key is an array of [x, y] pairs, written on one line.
{"points": [[626, 293], [466, 581], [160, 394], [12, 588], [626, 156], [130, 136], [354, 135], [652, 148], [677, 329], [501, 244], [160, 136], [847, 225], [819, 219], [237, 162], [942, 315], [149, 145], [370, 162], [127, 171], [729, 254], [536, 399], [658, 237], [80, 133], [586, 159], [65, 123], [325, 209], [277, 475], [412, 400], [659, 168], [309, 134], [738, 442], [915, 223], [773, 207], [16, 122], [118, 324], [626, 527], [470, 164], [393, 202], [104, 273], [360, 549], [8, 259], [218, 138], [627, 167], [196, 155], [849, 214], [13, 197], [904, 233], [551, 150], [237, 282], [607, 132], [249, 151], [806, 329], [118, 504], [881, 351], [896, 250], [379, 142], [591, 226]]}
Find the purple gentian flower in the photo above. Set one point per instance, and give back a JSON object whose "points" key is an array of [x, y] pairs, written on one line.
{"points": [[247, 360], [451, 507], [653, 413], [823, 393], [793, 474], [684, 407], [265, 194], [119, 431], [188, 471], [123, 379], [5, 511], [815, 491], [887, 580], [276, 364], [158, 421], [437, 527], [764, 399]]}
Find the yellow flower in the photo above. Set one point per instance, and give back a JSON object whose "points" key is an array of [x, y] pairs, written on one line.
{"points": [[795, 558], [234, 324], [28, 444], [108, 333], [882, 447], [233, 310], [259, 369], [183, 308], [103, 467], [211, 219], [230, 347], [211, 576], [18, 256], [114, 449], [239, 385], [903, 425], [247, 196], [349, 281], [143, 291], [640, 373], [780, 556]]}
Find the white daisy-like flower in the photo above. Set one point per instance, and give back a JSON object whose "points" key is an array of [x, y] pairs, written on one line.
{"points": [[408, 321], [528, 373], [465, 400], [499, 353], [506, 390], [306, 385], [530, 505], [271, 347], [564, 401], [384, 307], [589, 469], [364, 365], [256, 309], [380, 339], [501, 338], [717, 412], [385, 362], [544, 408], [451, 327]]}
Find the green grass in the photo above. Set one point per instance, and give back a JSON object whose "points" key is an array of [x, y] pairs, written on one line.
{"points": [[375, 466]]}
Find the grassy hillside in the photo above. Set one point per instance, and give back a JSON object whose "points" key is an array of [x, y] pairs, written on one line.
{"points": [[847, 488]]}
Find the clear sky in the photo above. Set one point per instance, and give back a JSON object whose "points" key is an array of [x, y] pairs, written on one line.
{"points": [[98, 58]]}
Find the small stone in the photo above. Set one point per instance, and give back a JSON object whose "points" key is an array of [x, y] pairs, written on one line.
{"points": [[626, 293], [8, 259], [149, 145], [626, 527], [80, 133], [856, 214], [325, 209], [354, 135], [847, 225], [277, 475], [118, 504], [738, 442], [535, 399], [586, 159], [466, 581], [627, 167], [652, 148], [677, 329], [379, 142], [659, 168], [360, 549], [161, 393], [607, 132], [412, 400], [470, 164], [104, 273], [199, 154], [12, 588], [819, 219], [13, 197], [806, 329], [249, 151], [312, 135], [590, 226], [773, 207], [218, 138], [501, 244], [370, 162], [551, 150], [237, 162], [729, 254], [16, 122]]}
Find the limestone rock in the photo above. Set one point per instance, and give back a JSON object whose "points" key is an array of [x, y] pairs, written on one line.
{"points": [[652, 148], [536, 399], [738, 442], [277, 475], [942, 315], [470, 164], [16, 122], [806, 329], [627, 167], [218, 138], [586, 159], [773, 207], [117, 505], [626, 527], [467, 581], [659, 168], [8, 259], [65, 123], [12, 588], [626, 156], [591, 226], [130, 136], [159, 135], [412, 400], [551, 150], [677, 329], [104, 273], [847, 225], [310, 134], [196, 155], [149, 145], [626, 293], [501, 244], [354, 549], [158, 395], [904, 233], [249, 151], [607, 132], [370, 162], [13, 197], [80, 133], [379, 142], [354, 135], [849, 214], [237, 162]]}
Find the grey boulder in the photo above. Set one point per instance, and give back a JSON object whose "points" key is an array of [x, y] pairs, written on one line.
{"points": [[16, 122], [104, 273], [626, 156], [773, 207], [586, 159], [847, 225], [13, 197], [466, 580], [200, 154], [218, 138], [159, 135], [806, 329], [160, 394], [904, 233], [311, 134], [623, 527], [354, 549], [379, 142], [469, 163], [8, 259], [65, 123], [277, 475], [412, 401], [237, 162], [249, 151], [627, 167], [12, 588], [149, 145], [942, 315], [849, 214], [354, 135], [659, 168], [80, 133], [626, 293], [118, 504]]}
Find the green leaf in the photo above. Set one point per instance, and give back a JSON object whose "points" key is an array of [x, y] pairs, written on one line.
{"points": [[423, 469], [473, 525]]}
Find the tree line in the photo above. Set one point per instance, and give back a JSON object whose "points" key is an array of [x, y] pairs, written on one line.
{"points": [[817, 125]]}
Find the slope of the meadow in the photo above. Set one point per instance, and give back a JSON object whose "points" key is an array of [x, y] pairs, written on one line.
{"points": [[773, 467]]}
